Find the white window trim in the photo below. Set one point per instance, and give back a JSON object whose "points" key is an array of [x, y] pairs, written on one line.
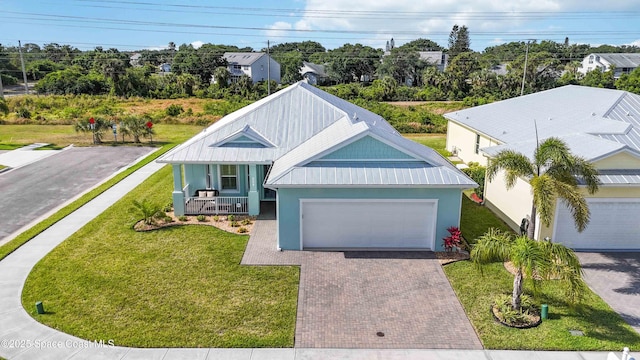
{"points": [[237, 189]]}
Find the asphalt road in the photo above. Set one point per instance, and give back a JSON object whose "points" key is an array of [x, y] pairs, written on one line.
{"points": [[35, 189]]}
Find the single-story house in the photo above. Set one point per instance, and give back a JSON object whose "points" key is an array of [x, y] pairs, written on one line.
{"points": [[622, 63], [341, 177], [600, 125]]}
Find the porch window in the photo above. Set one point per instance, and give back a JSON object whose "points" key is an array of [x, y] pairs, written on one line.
{"points": [[229, 177]]}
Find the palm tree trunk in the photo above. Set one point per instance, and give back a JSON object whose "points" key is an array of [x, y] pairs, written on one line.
{"points": [[517, 290], [531, 231]]}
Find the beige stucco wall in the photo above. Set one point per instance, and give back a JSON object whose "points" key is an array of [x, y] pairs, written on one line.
{"points": [[623, 160], [514, 204], [464, 139]]}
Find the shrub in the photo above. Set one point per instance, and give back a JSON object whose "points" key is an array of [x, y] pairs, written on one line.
{"points": [[454, 240], [168, 207], [243, 230], [201, 218], [216, 218], [234, 224], [183, 218], [231, 218], [246, 222], [174, 110], [477, 173], [23, 112]]}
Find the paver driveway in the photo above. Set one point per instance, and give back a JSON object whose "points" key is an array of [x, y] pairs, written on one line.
{"points": [[347, 298], [615, 277]]}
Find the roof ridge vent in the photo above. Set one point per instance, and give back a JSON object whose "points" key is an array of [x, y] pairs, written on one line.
{"points": [[354, 118]]}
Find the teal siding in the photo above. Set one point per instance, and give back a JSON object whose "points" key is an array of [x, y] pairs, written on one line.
{"points": [[196, 176], [289, 208], [366, 148]]}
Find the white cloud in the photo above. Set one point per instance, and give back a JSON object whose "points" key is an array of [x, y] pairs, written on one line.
{"points": [[197, 44], [635, 43], [375, 21]]}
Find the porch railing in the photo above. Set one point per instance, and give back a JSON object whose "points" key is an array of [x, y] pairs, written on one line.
{"points": [[217, 205]]}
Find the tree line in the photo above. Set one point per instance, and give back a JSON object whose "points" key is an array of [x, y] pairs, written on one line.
{"points": [[353, 70]]}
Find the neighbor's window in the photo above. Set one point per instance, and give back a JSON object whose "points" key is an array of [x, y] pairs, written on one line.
{"points": [[477, 143], [591, 59], [228, 177]]}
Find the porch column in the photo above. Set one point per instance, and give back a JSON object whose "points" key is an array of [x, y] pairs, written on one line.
{"points": [[254, 197], [178, 194]]}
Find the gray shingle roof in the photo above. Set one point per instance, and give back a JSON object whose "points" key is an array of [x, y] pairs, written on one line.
{"points": [[298, 125], [242, 58], [595, 123]]}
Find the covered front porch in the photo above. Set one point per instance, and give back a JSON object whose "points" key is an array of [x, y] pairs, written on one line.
{"points": [[212, 189]]}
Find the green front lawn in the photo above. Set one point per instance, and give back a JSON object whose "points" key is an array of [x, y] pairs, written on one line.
{"points": [[176, 287], [604, 329]]}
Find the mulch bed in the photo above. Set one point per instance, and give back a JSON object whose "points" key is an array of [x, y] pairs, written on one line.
{"points": [[222, 223], [448, 257]]}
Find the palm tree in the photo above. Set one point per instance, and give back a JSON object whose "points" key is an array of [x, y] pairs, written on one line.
{"points": [[537, 260], [553, 174]]}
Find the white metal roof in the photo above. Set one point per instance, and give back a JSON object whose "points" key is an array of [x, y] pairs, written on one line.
{"points": [[594, 122], [302, 123], [242, 58]]}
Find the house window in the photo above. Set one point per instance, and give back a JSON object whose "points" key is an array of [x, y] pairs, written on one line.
{"points": [[229, 177], [591, 59], [477, 151], [246, 67], [237, 67]]}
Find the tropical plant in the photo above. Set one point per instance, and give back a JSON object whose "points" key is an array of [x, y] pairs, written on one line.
{"points": [[454, 240], [553, 174], [99, 128], [149, 211], [535, 260], [136, 127]]}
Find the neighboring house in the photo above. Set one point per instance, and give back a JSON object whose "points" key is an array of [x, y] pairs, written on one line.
{"points": [[600, 125], [164, 68], [255, 65], [340, 176], [623, 63], [314, 74], [134, 59], [437, 58]]}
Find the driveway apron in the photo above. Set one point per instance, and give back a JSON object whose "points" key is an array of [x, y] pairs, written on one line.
{"points": [[615, 277], [368, 299]]}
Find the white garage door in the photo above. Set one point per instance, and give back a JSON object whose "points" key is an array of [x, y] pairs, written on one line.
{"points": [[614, 225], [366, 223]]}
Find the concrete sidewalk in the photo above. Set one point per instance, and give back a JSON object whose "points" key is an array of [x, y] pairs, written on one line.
{"points": [[26, 155], [21, 337]]}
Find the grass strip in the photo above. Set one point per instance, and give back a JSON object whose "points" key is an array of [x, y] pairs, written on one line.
{"points": [[34, 231]]}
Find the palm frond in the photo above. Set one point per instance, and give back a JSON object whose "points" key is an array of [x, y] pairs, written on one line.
{"points": [[515, 164], [492, 246], [587, 172], [544, 197], [575, 201], [552, 151]]}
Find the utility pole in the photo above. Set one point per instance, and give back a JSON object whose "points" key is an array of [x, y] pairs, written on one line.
{"points": [[1, 88], [268, 70], [524, 70], [24, 72]]}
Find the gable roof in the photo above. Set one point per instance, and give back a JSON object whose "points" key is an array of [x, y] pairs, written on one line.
{"points": [[298, 125], [242, 58], [620, 60], [317, 69]]}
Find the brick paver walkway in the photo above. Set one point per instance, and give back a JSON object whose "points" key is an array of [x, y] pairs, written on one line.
{"points": [[347, 298], [615, 277]]}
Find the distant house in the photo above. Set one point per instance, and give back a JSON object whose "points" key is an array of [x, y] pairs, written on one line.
{"points": [[314, 74], [164, 68], [623, 63], [436, 58], [134, 59], [256, 65]]}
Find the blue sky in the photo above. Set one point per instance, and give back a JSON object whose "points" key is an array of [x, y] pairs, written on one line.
{"points": [[138, 24]]}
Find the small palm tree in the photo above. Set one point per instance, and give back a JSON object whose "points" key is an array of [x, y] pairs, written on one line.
{"points": [[537, 260], [147, 210], [553, 173]]}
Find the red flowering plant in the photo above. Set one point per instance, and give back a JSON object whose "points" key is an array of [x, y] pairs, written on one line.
{"points": [[454, 240]]}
